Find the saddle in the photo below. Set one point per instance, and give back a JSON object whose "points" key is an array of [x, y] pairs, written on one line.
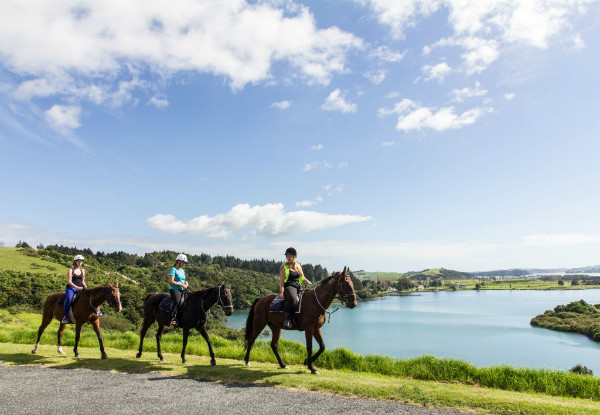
{"points": [[278, 304], [63, 298], [165, 304]]}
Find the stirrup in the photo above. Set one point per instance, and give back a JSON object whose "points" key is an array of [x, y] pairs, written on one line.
{"points": [[173, 323]]}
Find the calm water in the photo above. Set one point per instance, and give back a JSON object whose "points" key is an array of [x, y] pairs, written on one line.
{"points": [[483, 327]]}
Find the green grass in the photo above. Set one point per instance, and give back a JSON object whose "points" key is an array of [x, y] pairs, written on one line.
{"points": [[27, 260], [22, 328], [471, 399]]}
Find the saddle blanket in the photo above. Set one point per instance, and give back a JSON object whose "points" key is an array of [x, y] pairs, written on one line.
{"points": [[61, 302], [165, 304], [278, 305]]}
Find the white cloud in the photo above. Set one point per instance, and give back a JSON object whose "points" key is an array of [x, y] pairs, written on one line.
{"points": [[342, 165], [385, 54], [87, 50], [158, 102], [281, 105], [578, 43], [509, 95], [64, 116], [316, 165], [559, 239], [376, 77], [336, 101], [438, 71], [480, 27], [268, 220], [307, 203], [387, 143], [461, 94], [411, 116], [317, 147]]}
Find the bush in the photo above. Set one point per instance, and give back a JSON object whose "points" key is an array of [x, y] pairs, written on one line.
{"points": [[581, 370]]}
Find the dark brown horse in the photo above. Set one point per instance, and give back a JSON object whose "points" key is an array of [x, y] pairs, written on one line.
{"points": [[311, 318], [85, 309], [194, 315]]}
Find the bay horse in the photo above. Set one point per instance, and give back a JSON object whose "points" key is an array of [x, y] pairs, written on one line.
{"points": [[311, 318], [194, 315], [85, 309]]}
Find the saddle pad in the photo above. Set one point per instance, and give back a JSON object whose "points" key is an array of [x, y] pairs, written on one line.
{"points": [[278, 305], [165, 305]]}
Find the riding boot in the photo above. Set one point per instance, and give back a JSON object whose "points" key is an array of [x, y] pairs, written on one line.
{"points": [[287, 323]]}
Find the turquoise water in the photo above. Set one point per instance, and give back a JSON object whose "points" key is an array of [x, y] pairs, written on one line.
{"points": [[482, 327]]}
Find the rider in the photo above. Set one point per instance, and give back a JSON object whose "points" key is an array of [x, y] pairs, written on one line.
{"points": [[75, 282], [290, 280], [178, 284]]}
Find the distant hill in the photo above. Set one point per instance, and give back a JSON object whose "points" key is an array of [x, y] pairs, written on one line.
{"points": [[434, 273], [521, 272]]}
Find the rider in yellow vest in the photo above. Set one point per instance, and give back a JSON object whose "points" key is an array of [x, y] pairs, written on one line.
{"points": [[291, 277]]}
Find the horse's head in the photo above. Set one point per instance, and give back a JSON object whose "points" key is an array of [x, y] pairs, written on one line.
{"points": [[225, 300], [346, 288], [113, 296]]}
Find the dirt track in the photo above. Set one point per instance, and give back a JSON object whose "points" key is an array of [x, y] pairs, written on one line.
{"points": [[40, 390]]}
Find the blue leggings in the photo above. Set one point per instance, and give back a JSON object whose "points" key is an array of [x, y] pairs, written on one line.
{"points": [[69, 292]]}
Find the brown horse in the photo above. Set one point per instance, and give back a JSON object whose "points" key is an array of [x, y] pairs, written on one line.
{"points": [[194, 315], [85, 309], [311, 318]]}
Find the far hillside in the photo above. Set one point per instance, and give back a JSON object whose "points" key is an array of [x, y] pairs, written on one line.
{"points": [[434, 273]]}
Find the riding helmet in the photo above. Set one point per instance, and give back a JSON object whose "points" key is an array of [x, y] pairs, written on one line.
{"points": [[182, 257], [291, 250]]}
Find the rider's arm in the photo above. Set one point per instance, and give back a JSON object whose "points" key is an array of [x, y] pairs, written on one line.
{"points": [[304, 276], [172, 281], [83, 278], [281, 279]]}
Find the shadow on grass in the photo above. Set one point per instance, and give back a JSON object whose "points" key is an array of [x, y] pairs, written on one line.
{"points": [[231, 375]]}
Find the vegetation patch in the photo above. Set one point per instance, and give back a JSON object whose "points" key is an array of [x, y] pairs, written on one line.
{"points": [[576, 317]]}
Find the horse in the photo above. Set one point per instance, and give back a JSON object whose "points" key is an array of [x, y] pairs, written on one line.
{"points": [[194, 315], [85, 309], [312, 317]]}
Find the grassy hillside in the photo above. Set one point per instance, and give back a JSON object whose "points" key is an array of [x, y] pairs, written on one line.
{"points": [[23, 260], [433, 273]]}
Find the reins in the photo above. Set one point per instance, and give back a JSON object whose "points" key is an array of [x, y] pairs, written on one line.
{"points": [[108, 299], [343, 299]]}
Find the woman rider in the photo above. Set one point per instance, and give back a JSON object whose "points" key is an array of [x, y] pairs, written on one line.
{"points": [[291, 277], [177, 285], [75, 282]]}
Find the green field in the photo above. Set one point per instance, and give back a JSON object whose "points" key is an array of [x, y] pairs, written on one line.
{"points": [[17, 260]]}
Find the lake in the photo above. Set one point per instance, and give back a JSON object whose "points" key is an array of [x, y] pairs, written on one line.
{"points": [[485, 328]]}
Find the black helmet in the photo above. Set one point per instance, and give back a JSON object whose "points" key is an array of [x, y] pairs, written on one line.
{"points": [[291, 251]]}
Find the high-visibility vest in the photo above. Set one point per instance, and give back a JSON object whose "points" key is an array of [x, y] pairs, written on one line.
{"points": [[287, 273]]}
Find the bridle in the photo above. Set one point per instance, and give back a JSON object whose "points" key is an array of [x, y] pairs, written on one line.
{"points": [[342, 299], [219, 301], [109, 299]]}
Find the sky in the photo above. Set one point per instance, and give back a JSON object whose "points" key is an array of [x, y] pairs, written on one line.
{"points": [[376, 134]]}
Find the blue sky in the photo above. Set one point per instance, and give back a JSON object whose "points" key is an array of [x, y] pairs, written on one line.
{"points": [[382, 135]]}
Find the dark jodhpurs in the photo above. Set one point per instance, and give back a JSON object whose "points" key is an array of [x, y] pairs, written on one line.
{"points": [[290, 293], [176, 296]]}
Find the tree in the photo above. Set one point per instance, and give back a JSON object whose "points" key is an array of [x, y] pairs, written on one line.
{"points": [[404, 283], [561, 282]]}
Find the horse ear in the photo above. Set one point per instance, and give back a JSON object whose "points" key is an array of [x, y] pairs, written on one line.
{"points": [[344, 271]]}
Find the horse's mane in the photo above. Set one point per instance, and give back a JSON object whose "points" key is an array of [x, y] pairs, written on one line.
{"points": [[200, 293], [326, 280]]}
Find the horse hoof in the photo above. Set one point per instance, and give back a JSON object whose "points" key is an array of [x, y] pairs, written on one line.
{"points": [[285, 367], [34, 352], [76, 354], [314, 372], [138, 355], [248, 364], [183, 361], [162, 359], [213, 362], [104, 356]]}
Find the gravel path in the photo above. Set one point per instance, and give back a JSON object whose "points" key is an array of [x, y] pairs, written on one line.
{"points": [[41, 390]]}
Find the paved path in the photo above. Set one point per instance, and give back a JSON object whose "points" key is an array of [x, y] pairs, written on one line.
{"points": [[41, 390]]}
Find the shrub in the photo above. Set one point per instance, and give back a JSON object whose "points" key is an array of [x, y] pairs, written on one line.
{"points": [[581, 370]]}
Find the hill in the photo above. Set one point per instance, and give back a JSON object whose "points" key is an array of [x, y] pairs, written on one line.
{"points": [[433, 273]]}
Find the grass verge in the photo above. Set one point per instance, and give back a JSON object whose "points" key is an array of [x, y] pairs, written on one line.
{"points": [[471, 399]]}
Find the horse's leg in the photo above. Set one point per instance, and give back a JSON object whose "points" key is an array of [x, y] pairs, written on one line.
{"points": [[258, 324], [61, 329], [275, 344], [309, 336], [159, 334], [186, 333], [46, 319], [78, 326], [96, 326], [319, 338], [204, 333], [147, 323]]}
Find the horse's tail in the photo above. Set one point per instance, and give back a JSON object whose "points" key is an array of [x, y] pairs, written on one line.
{"points": [[250, 326]]}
